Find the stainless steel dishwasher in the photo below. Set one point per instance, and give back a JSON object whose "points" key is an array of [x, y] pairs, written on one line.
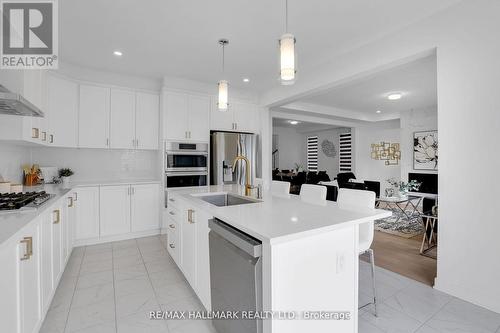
{"points": [[235, 276]]}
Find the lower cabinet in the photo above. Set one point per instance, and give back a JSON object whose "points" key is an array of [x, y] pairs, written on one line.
{"points": [[187, 235], [145, 207], [87, 213], [114, 211]]}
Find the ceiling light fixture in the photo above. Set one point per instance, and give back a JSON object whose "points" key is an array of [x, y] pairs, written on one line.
{"points": [[378, 111], [293, 122], [246, 80], [394, 96], [287, 54], [118, 53], [222, 102]]}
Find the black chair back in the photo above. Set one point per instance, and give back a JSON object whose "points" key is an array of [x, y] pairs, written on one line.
{"points": [[312, 177], [323, 176], [373, 186], [344, 177]]}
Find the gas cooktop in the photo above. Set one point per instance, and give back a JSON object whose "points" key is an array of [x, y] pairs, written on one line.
{"points": [[10, 202]]}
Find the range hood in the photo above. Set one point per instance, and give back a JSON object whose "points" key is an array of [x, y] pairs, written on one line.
{"points": [[16, 105]]}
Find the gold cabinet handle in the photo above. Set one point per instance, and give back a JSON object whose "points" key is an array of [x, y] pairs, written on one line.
{"points": [[35, 133], [171, 199], [171, 213], [76, 196], [190, 215], [29, 247], [172, 226], [44, 136], [172, 246], [51, 138], [58, 216], [70, 204]]}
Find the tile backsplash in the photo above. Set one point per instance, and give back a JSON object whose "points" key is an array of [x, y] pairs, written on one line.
{"points": [[88, 164]]}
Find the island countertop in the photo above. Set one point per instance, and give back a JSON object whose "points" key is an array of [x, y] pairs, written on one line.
{"points": [[278, 219]]}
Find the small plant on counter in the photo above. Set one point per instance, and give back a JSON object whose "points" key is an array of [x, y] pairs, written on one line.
{"points": [[66, 172]]}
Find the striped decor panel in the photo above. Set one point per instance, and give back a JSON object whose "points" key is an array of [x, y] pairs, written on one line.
{"points": [[312, 153], [345, 152]]}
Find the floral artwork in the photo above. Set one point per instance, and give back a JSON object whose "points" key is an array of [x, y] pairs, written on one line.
{"points": [[425, 150]]}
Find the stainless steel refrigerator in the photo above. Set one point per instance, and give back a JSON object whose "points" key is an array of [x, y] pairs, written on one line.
{"points": [[224, 147]]}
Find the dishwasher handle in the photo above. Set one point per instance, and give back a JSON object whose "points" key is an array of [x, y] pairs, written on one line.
{"points": [[241, 240]]}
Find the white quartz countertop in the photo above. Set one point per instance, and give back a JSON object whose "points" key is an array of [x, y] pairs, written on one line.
{"points": [[279, 218]]}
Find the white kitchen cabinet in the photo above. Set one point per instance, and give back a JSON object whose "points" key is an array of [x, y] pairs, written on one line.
{"points": [[114, 210], [203, 258], [28, 251], [176, 115], [240, 117], [9, 281], [147, 116], [186, 116], [199, 112], [46, 281], [87, 213], [93, 117], [56, 217], [188, 245], [145, 207], [62, 105], [122, 119]]}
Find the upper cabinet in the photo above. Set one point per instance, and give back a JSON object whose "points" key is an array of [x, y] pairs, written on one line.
{"points": [[62, 103], [240, 117], [122, 121], [93, 119], [186, 116], [147, 119]]}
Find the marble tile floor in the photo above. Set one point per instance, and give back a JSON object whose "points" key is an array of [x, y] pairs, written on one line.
{"points": [[112, 287]]}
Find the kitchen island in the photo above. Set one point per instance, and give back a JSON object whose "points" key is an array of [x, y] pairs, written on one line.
{"points": [[309, 254]]}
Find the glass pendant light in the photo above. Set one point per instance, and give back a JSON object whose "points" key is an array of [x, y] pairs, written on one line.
{"points": [[222, 103], [287, 54]]}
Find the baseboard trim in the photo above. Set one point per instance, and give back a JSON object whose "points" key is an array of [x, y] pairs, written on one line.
{"points": [[115, 238]]}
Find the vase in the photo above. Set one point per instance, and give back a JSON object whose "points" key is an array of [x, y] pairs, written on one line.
{"points": [[65, 181]]}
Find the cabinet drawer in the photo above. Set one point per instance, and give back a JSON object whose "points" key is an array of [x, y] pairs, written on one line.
{"points": [[174, 214]]}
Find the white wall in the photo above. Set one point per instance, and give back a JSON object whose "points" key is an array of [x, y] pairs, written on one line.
{"points": [[414, 121], [291, 147], [12, 157], [367, 168], [100, 164], [468, 66]]}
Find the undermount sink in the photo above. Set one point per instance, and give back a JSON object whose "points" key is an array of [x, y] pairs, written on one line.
{"points": [[227, 199]]}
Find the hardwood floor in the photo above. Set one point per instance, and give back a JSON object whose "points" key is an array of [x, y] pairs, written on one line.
{"points": [[402, 256]]}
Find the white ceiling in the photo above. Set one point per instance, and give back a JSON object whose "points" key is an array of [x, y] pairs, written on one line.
{"points": [[302, 126], [179, 37], [416, 81]]}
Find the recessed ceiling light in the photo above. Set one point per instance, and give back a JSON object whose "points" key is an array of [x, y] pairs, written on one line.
{"points": [[293, 122], [118, 53], [246, 80], [394, 96], [378, 111]]}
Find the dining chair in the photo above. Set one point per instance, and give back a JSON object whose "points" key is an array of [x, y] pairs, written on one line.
{"points": [[280, 188], [313, 193], [352, 199]]}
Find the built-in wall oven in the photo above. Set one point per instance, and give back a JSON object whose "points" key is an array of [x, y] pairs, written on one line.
{"points": [[186, 164]]}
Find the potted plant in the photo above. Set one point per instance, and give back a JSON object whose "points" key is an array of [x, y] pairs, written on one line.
{"points": [[65, 175], [403, 187]]}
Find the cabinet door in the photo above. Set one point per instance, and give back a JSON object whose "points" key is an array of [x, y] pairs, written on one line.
{"points": [[93, 120], [147, 116], [145, 210], [57, 244], [9, 286], [114, 210], [46, 281], [122, 119], [62, 101], [175, 115], [188, 244], [87, 213], [203, 259], [29, 283], [221, 120], [199, 112], [71, 221], [246, 117]]}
